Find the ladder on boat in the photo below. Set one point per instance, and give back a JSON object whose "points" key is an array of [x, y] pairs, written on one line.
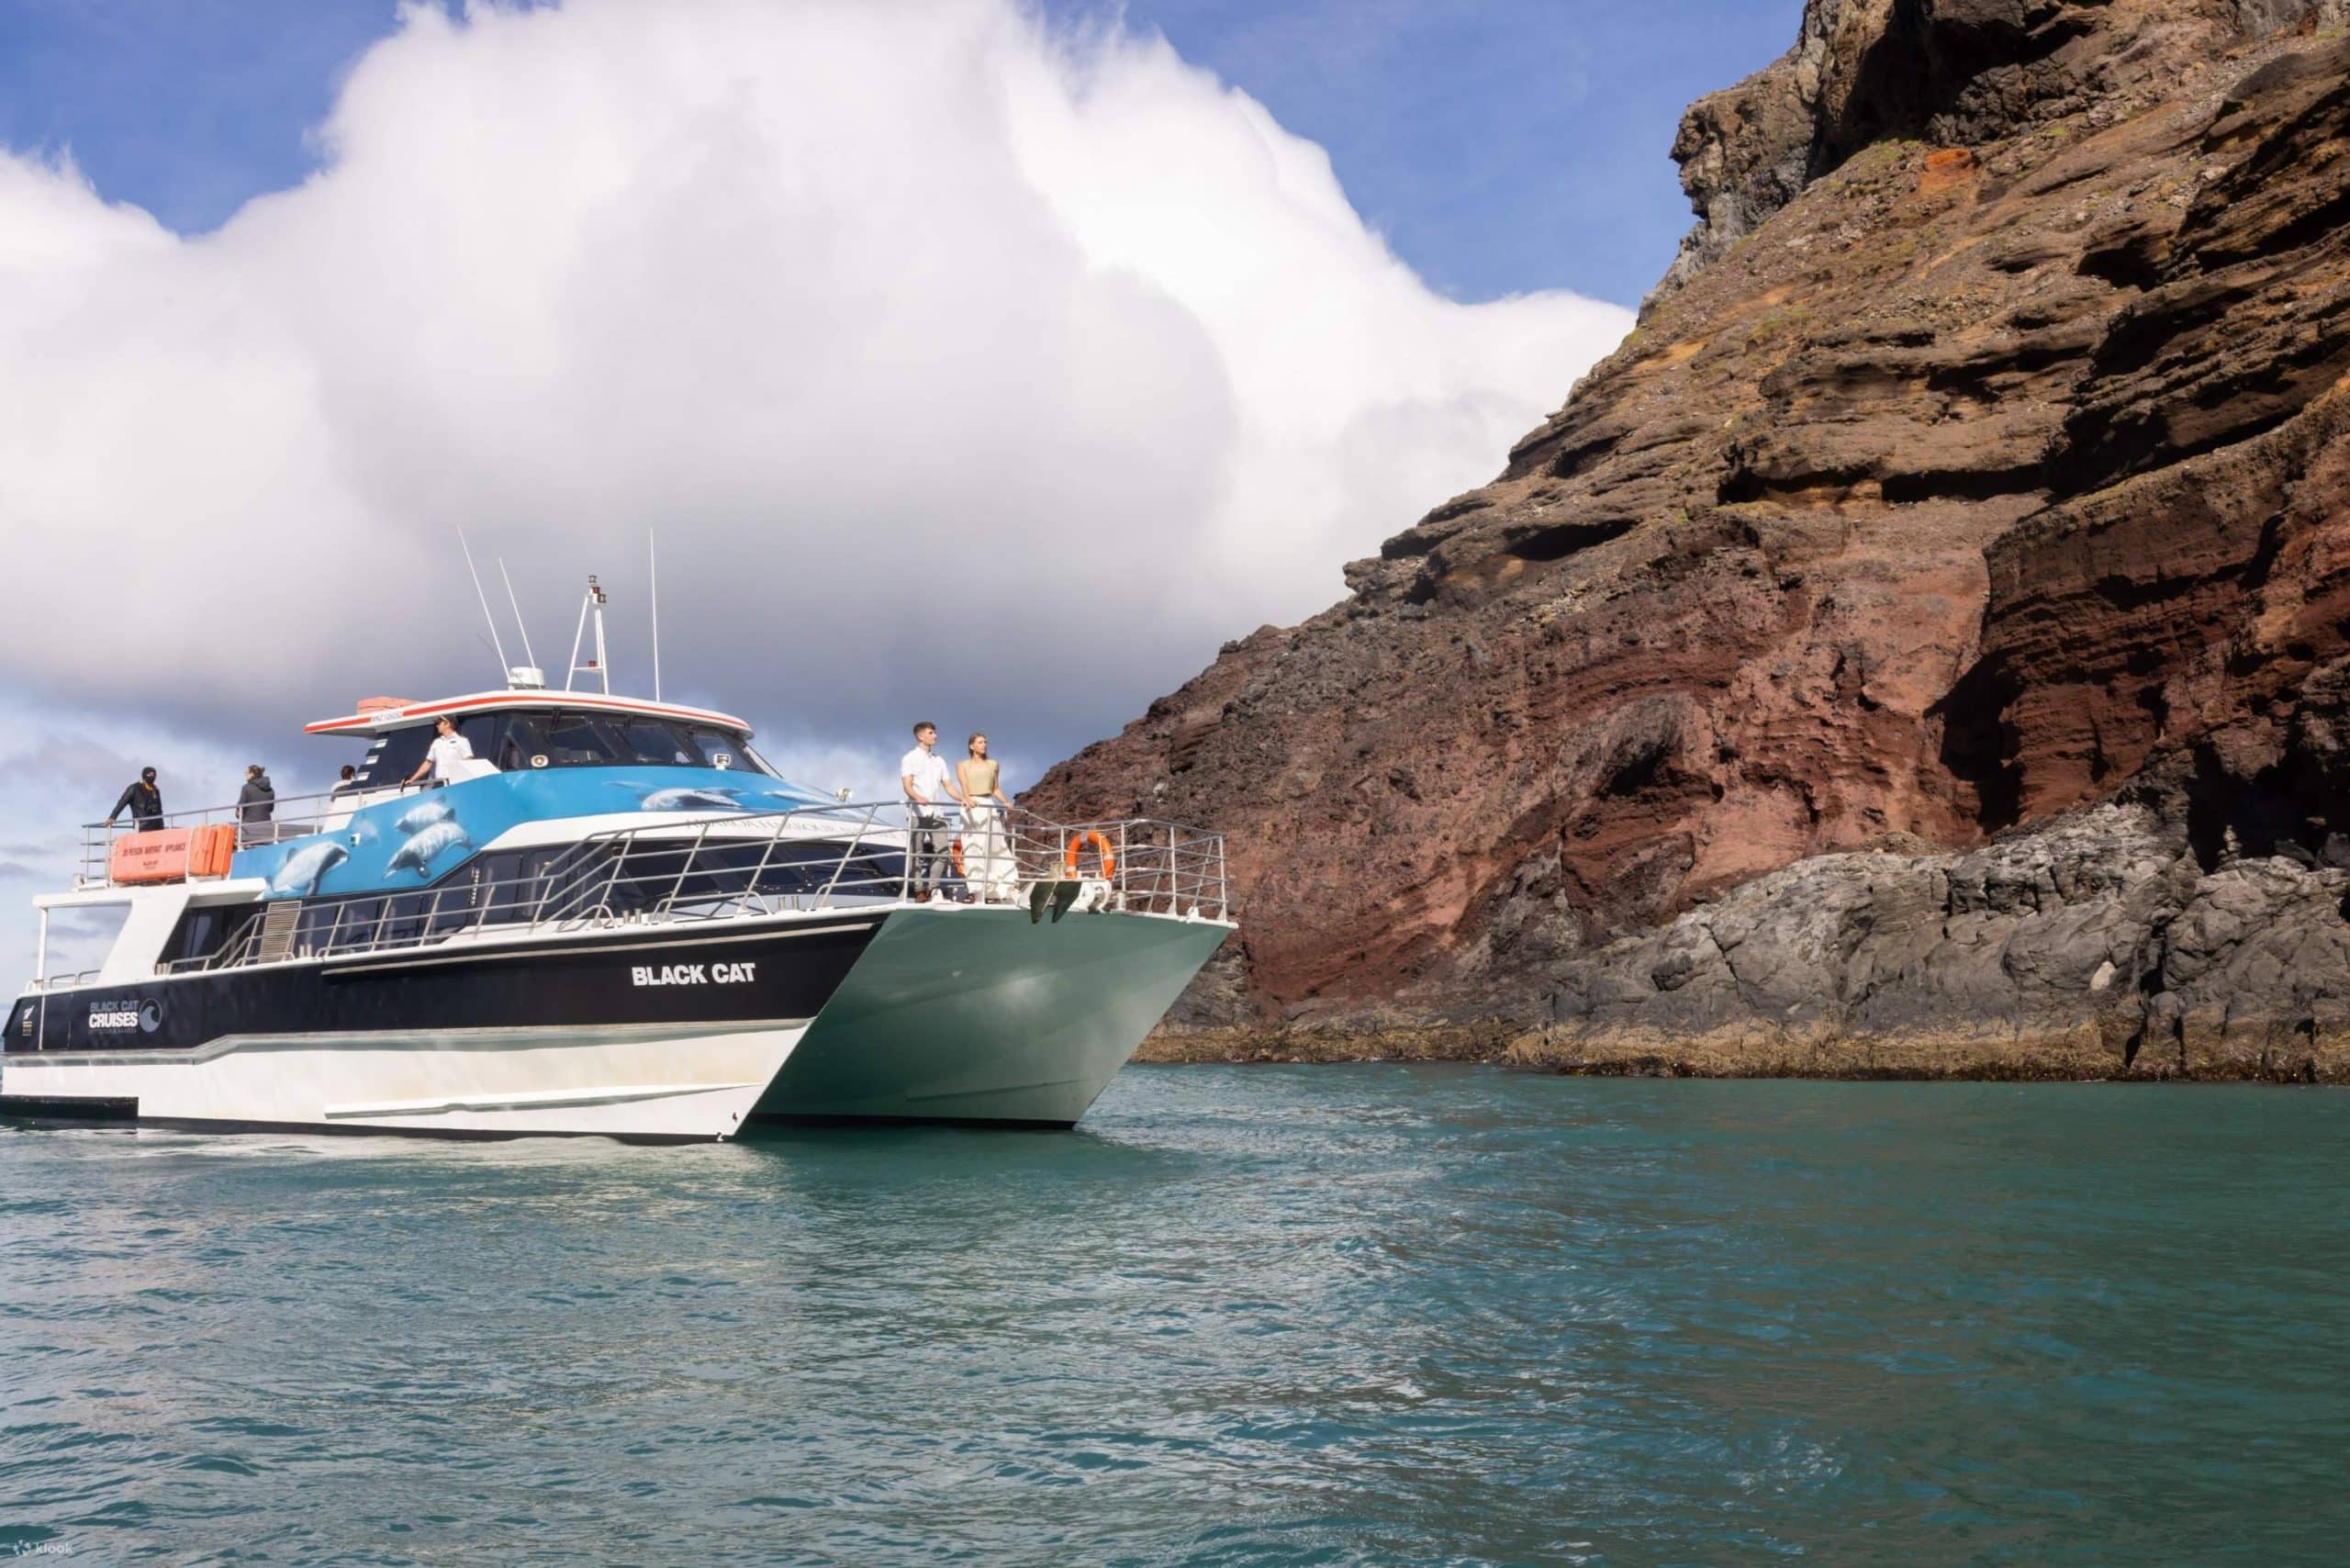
{"points": [[279, 923]]}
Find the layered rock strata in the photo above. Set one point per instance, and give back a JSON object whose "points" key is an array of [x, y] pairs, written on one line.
{"points": [[1970, 511]]}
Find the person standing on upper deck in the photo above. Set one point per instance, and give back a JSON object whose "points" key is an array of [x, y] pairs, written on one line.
{"points": [[922, 772], [256, 802], [144, 801], [448, 749]]}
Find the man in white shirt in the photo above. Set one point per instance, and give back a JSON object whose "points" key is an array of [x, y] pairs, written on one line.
{"points": [[448, 749], [922, 774]]}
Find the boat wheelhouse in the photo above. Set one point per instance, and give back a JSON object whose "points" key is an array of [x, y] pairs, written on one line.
{"points": [[618, 919]]}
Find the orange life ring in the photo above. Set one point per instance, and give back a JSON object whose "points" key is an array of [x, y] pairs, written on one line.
{"points": [[1101, 845]]}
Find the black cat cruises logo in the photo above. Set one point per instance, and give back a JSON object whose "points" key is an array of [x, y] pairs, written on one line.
{"points": [[125, 1014]]}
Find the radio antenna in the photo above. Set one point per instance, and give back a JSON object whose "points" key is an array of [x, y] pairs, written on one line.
{"points": [[652, 566], [519, 624], [504, 670]]}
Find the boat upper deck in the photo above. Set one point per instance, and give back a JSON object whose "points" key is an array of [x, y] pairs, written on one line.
{"points": [[717, 865], [577, 809]]}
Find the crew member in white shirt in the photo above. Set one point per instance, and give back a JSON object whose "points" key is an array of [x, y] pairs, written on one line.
{"points": [[447, 750], [928, 786]]}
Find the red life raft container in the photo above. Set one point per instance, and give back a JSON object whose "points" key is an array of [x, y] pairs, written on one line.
{"points": [[171, 855]]}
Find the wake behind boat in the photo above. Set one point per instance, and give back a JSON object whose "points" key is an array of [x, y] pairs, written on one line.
{"points": [[624, 921]]}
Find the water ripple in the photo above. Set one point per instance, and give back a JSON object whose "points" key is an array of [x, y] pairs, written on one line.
{"points": [[1246, 1316]]}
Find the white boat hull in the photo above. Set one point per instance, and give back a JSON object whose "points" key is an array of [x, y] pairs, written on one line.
{"points": [[641, 1082]]}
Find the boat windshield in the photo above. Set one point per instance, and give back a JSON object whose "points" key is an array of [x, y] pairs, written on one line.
{"points": [[516, 741]]}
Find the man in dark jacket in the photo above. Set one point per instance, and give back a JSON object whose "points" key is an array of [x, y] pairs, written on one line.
{"points": [[143, 800], [255, 801]]}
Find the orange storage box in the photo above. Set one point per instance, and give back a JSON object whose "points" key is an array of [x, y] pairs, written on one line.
{"points": [[171, 854], [210, 849], [157, 856]]}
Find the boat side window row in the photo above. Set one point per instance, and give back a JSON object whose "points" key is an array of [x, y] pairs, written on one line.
{"points": [[515, 743], [550, 882]]}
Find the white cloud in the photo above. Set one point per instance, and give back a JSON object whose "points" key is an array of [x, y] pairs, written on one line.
{"points": [[963, 365]]}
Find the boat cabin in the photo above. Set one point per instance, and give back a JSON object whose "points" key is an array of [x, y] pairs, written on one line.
{"points": [[516, 730]]}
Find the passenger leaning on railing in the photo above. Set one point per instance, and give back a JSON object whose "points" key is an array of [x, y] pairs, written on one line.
{"points": [[922, 774], [448, 749], [144, 801]]}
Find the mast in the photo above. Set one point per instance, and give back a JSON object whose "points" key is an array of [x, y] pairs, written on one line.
{"points": [[593, 604]]}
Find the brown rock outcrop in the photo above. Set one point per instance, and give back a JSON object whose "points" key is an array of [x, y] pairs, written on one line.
{"points": [[1948, 487]]}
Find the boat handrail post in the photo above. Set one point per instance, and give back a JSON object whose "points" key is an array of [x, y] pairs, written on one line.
{"points": [[620, 845], [669, 906], [824, 899], [775, 836]]}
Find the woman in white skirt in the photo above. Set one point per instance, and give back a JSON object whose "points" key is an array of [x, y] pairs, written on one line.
{"points": [[988, 869]]}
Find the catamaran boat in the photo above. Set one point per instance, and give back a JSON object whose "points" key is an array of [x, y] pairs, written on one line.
{"points": [[618, 920]]}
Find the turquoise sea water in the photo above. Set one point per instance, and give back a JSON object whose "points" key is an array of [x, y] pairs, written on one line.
{"points": [[1245, 1315]]}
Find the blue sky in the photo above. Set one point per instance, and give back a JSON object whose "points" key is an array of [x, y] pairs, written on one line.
{"points": [[898, 324], [1500, 145]]}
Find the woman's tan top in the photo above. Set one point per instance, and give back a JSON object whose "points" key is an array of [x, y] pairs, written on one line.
{"points": [[978, 777]]}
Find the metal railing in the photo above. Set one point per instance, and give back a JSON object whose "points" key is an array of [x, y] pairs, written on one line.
{"points": [[735, 865], [291, 816]]}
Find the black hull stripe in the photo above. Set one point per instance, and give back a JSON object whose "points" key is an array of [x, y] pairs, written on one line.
{"points": [[786, 972], [69, 1107], [456, 1039], [334, 1129], [442, 958]]}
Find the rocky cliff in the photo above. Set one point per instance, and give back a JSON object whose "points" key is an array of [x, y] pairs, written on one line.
{"points": [[1923, 646]]}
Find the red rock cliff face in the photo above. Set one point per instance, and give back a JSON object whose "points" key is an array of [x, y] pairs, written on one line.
{"points": [[1982, 457]]}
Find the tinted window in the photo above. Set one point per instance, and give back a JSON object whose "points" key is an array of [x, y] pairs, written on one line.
{"points": [[663, 743], [514, 742], [393, 757], [719, 749], [203, 931]]}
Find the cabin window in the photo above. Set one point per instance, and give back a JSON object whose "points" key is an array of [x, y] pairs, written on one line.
{"points": [[481, 732], [581, 740], [662, 744], [515, 743], [716, 749], [203, 931], [394, 755], [521, 743]]}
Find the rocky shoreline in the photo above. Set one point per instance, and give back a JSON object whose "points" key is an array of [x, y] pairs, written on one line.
{"points": [[1921, 649], [1923, 1057], [2081, 1056]]}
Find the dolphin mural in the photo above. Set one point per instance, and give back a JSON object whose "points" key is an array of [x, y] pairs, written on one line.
{"points": [[306, 866], [381, 844], [417, 854], [423, 814], [696, 799]]}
